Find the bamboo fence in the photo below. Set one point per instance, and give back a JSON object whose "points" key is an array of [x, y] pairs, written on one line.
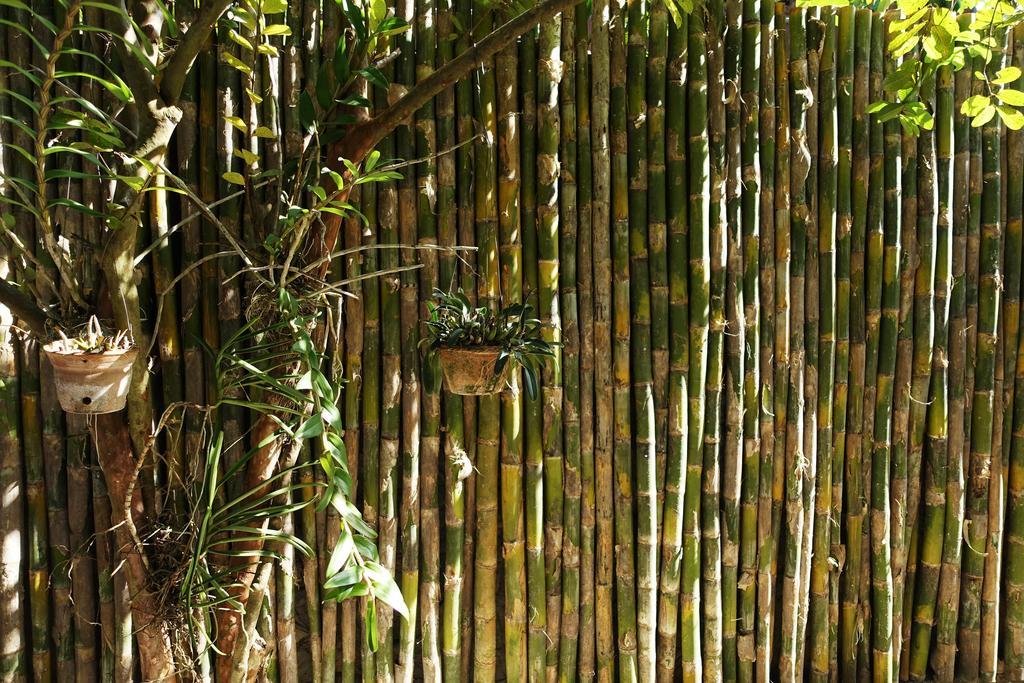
{"points": [[782, 436]]}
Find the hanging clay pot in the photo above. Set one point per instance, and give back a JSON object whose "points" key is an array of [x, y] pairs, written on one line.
{"points": [[470, 371], [91, 383]]}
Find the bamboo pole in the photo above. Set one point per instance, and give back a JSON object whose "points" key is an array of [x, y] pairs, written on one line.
{"points": [[1014, 645], [604, 607], [751, 216], [411, 402], [640, 424], [549, 74], [568, 241], [511, 258], [767, 529], [455, 462], [691, 634], [794, 441], [820, 638], [677, 191], [625, 574], [430, 423], [585, 620], [734, 347], [485, 212]]}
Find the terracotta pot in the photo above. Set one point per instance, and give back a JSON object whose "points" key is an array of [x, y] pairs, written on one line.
{"points": [[91, 383], [470, 371]]}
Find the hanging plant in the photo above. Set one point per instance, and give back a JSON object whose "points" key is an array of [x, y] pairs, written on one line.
{"points": [[93, 370], [479, 347]]}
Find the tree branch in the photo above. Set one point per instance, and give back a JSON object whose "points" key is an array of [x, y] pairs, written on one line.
{"points": [[190, 45], [24, 308], [363, 137]]}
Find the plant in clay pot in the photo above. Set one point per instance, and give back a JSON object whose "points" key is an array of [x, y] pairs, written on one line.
{"points": [[478, 347], [92, 370]]}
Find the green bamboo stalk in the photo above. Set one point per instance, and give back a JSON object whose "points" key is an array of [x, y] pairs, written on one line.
{"points": [[794, 443], [430, 422], [640, 425], [586, 653], [466, 228], [455, 459], [734, 347], [1014, 645], [992, 612], [569, 306], [976, 538], [712, 453], [947, 609], [657, 63], [699, 306], [921, 364], [626, 608], [13, 660], [677, 191], [489, 411], [783, 268], [854, 206], [390, 399], [814, 36], [767, 530], [511, 258], [604, 609], [533, 437], [751, 218], [409, 313], [549, 73], [844, 29], [935, 469], [820, 637]]}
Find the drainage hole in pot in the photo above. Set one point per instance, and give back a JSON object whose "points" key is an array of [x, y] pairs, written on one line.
{"points": [[86, 401]]}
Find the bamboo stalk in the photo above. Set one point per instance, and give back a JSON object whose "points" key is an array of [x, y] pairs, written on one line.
{"points": [[865, 293], [604, 609], [488, 420], [465, 191], [13, 660], [820, 637], [510, 252], [977, 531], [390, 400], [585, 621], [549, 74], [794, 442], [430, 422], [751, 217], [641, 425], [625, 574], [568, 241], [412, 406], [1014, 647], [677, 191], [734, 347], [455, 463], [699, 255], [767, 529]]}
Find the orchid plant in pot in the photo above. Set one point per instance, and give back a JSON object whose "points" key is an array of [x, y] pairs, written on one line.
{"points": [[93, 369], [478, 347]]}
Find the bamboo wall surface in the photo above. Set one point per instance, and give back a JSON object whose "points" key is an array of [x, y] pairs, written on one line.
{"points": [[782, 437]]}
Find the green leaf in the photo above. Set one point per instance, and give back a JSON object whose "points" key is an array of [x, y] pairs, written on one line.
{"points": [[277, 30], [1006, 75], [1013, 118], [974, 105], [234, 178], [1011, 97], [984, 116]]}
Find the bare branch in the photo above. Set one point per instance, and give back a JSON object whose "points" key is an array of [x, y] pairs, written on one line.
{"points": [[24, 308], [191, 44]]}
